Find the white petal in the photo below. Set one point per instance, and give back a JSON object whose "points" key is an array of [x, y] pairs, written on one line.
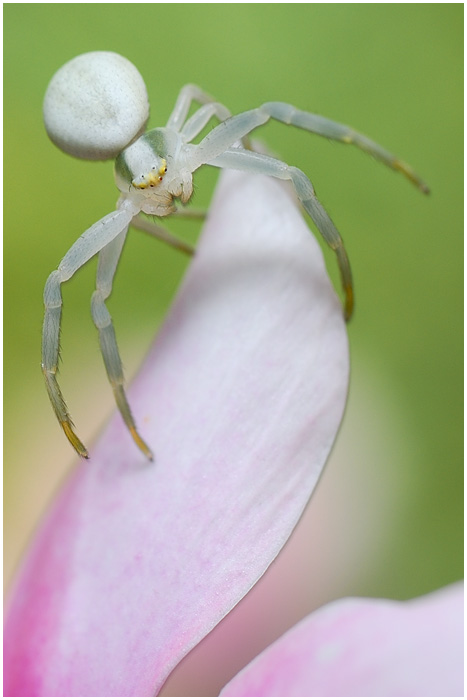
{"points": [[240, 399]]}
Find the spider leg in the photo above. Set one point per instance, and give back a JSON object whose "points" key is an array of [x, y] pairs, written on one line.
{"points": [[187, 95], [240, 159], [201, 117], [162, 234], [88, 245], [185, 212], [106, 267], [322, 126], [235, 128]]}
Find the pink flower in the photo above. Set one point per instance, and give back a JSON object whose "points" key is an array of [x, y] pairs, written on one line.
{"points": [[368, 648], [240, 398]]}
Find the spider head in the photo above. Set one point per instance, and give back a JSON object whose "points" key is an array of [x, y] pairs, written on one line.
{"points": [[147, 172], [143, 164]]}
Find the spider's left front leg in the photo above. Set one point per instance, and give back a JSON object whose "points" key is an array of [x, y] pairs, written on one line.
{"points": [[106, 267], [249, 161]]}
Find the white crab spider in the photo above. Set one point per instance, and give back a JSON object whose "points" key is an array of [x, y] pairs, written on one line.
{"points": [[96, 107]]}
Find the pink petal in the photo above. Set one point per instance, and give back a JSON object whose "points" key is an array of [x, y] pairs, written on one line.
{"points": [[367, 648], [240, 398]]}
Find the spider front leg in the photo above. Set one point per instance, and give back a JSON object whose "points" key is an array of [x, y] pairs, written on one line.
{"points": [[287, 114], [106, 267], [241, 159], [235, 128], [216, 149], [88, 245]]}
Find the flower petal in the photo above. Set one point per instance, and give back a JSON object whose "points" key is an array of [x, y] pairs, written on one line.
{"points": [[367, 648], [241, 398]]}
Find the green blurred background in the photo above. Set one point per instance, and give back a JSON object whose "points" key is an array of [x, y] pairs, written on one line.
{"points": [[393, 71]]}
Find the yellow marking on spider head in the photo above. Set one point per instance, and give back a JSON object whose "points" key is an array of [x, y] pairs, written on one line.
{"points": [[153, 178]]}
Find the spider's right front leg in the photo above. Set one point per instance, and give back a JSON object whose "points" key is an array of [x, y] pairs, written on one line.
{"points": [[90, 243]]}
